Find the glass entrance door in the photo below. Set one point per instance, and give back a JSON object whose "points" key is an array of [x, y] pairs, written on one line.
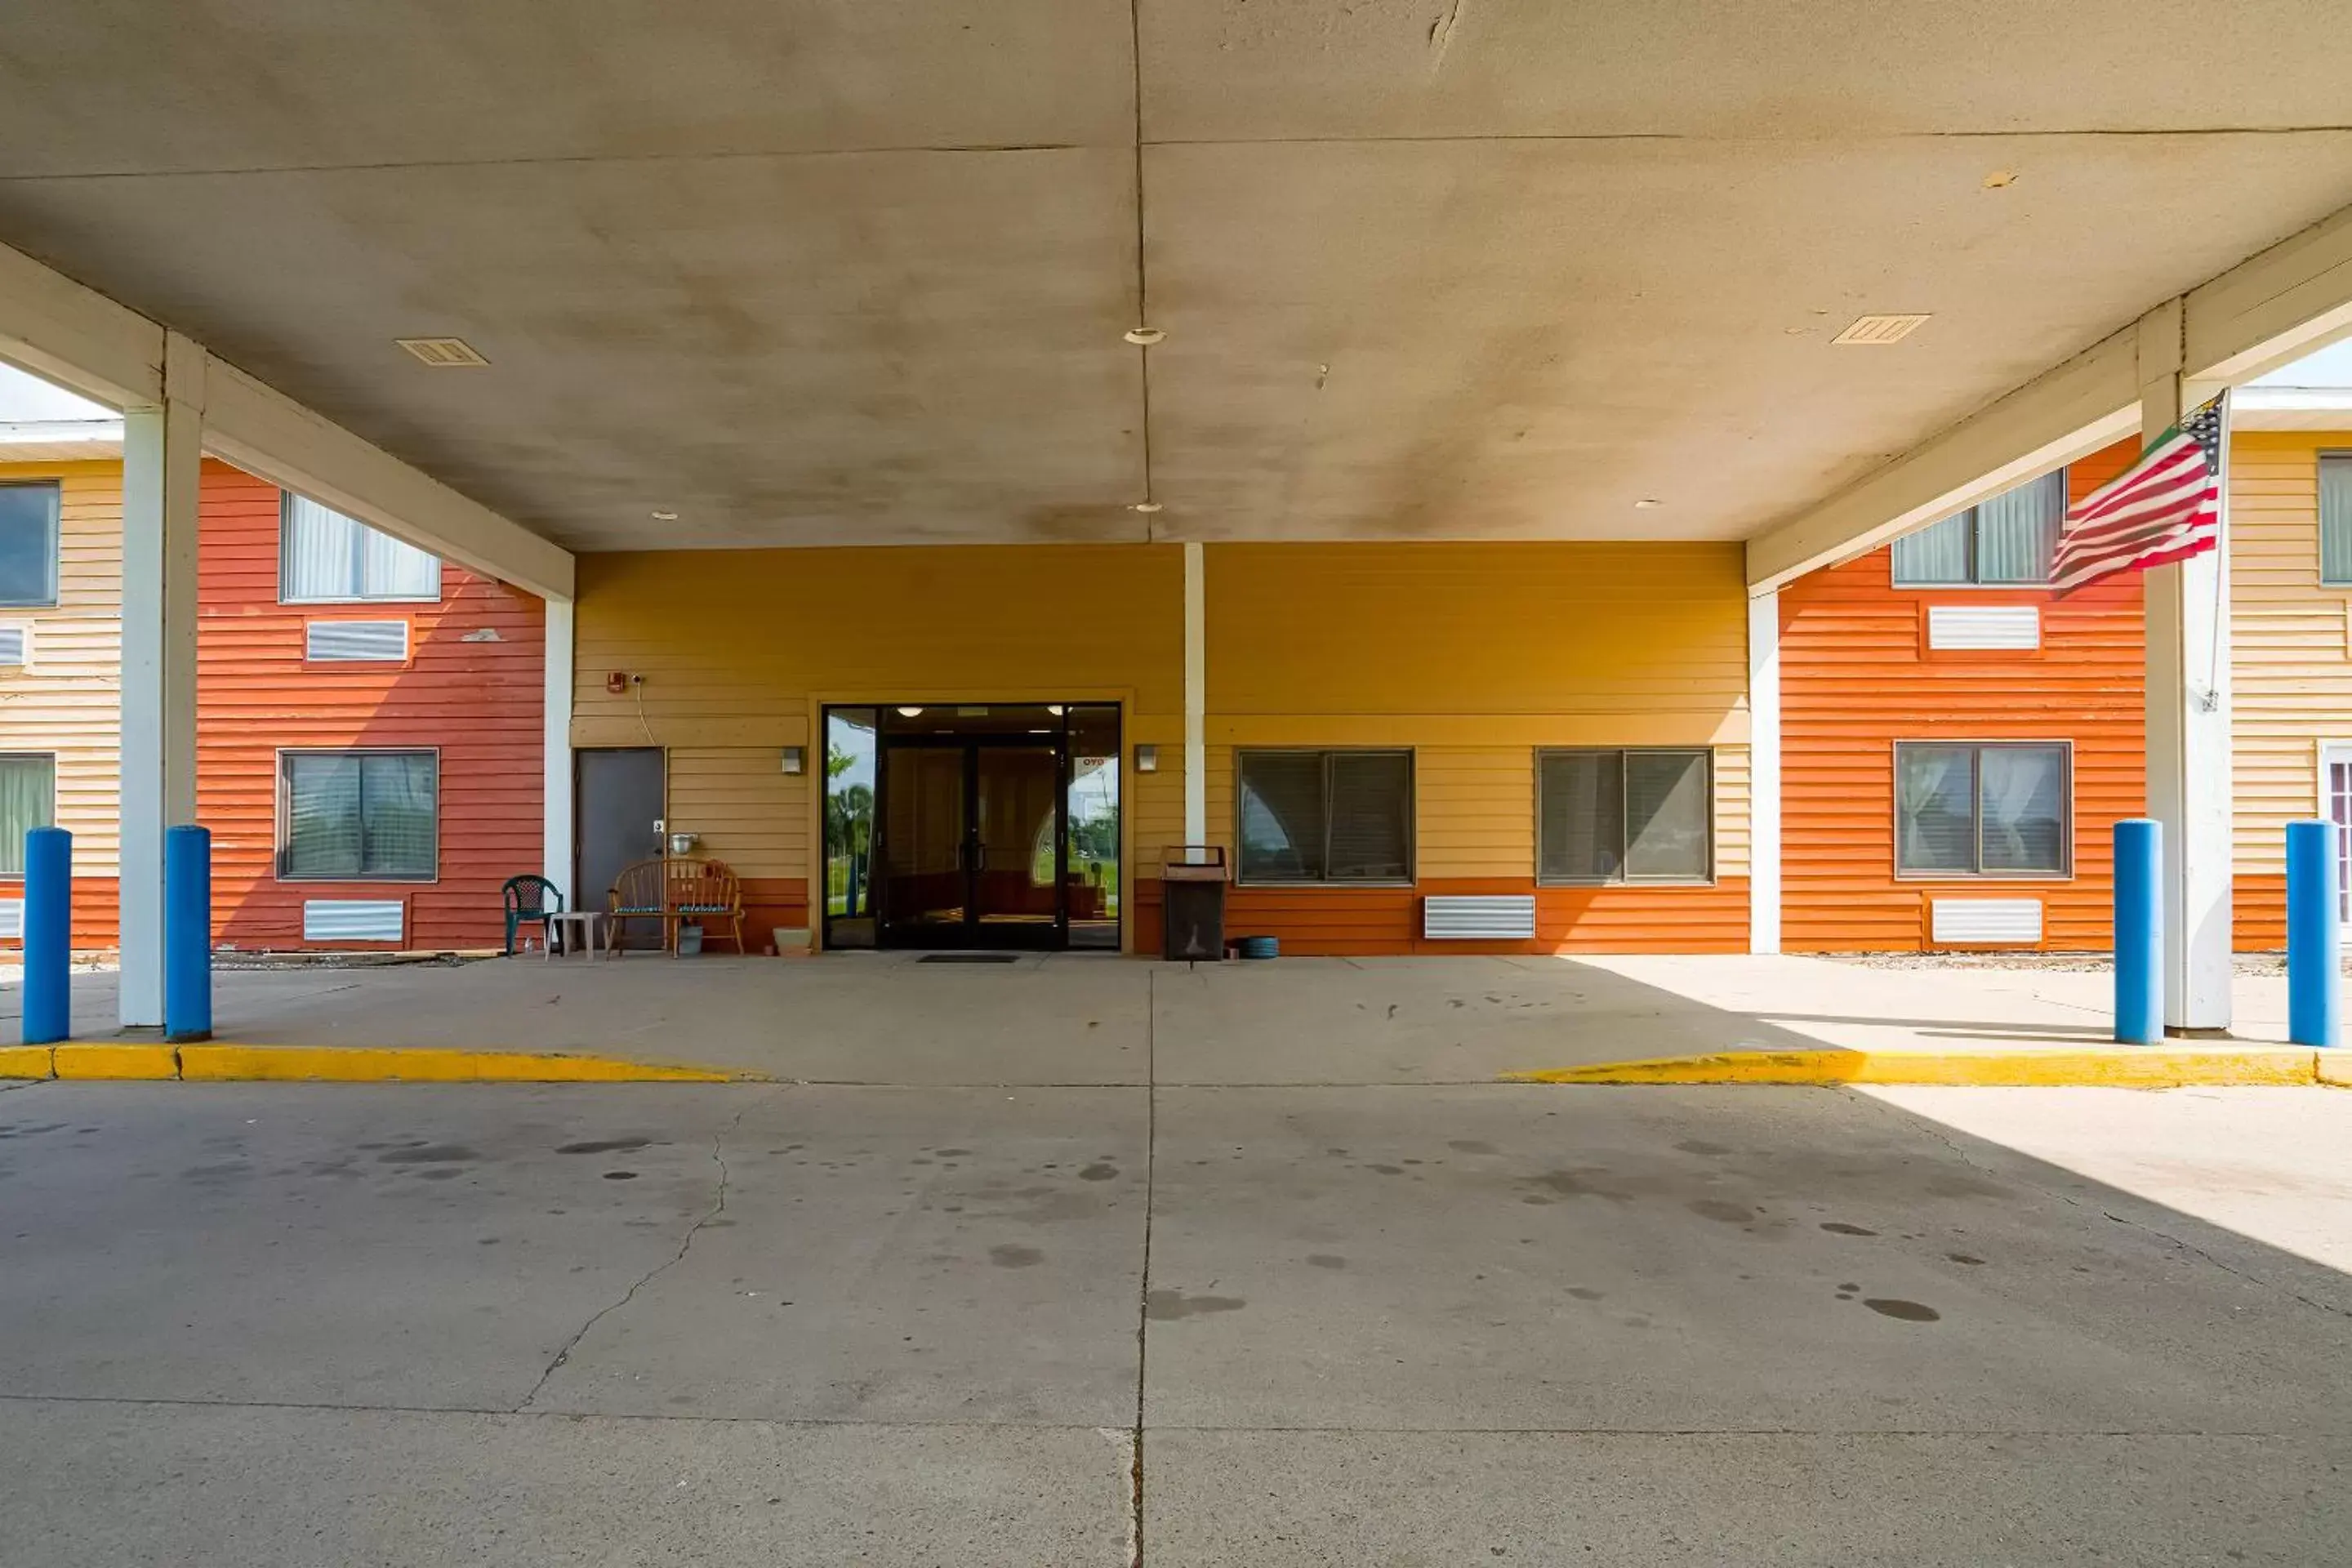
{"points": [[972, 826]]}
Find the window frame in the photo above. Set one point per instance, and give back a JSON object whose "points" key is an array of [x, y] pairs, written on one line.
{"points": [[2320, 460], [1974, 583], [1625, 878], [50, 758], [286, 595], [2065, 749], [284, 826], [57, 544], [1411, 878]]}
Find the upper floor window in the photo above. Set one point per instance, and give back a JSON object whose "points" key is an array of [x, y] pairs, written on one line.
{"points": [[2336, 519], [28, 544], [326, 558], [1326, 816], [2008, 539]]}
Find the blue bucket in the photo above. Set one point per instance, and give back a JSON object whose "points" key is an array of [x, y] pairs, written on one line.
{"points": [[1258, 947]]}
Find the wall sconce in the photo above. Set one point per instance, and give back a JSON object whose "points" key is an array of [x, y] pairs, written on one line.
{"points": [[796, 759], [1147, 759]]}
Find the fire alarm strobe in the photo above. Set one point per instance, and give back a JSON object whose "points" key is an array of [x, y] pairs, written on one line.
{"points": [[618, 682]]}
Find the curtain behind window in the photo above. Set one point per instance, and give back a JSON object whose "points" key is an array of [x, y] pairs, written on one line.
{"points": [[1371, 817], [392, 569], [2017, 531], [1935, 791], [1666, 814], [1937, 553], [2336, 519], [2023, 789], [1583, 828], [1282, 816], [29, 791], [397, 794], [319, 552]]}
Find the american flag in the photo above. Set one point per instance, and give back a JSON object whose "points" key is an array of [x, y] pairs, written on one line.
{"points": [[2166, 507]]}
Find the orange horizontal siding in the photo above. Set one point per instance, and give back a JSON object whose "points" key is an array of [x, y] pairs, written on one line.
{"points": [[478, 703], [96, 917], [1367, 921], [1856, 676], [2258, 912]]}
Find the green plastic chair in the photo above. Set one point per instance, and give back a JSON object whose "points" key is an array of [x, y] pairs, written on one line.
{"points": [[530, 898]]}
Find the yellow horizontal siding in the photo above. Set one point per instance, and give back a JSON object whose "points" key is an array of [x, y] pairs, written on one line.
{"points": [[65, 700], [2290, 664], [744, 807]]}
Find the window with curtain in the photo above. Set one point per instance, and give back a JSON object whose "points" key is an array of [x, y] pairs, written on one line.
{"points": [[359, 816], [28, 799], [2336, 519], [2008, 539], [326, 558], [28, 544], [1982, 811], [1624, 815], [1325, 817]]}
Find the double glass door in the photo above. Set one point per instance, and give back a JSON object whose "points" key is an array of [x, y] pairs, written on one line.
{"points": [[969, 846]]}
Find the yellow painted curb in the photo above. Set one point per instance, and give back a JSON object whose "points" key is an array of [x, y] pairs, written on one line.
{"points": [[2118, 1066], [334, 1064], [2335, 1067], [116, 1062], [24, 1061]]}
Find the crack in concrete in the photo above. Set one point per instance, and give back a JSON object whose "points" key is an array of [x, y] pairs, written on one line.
{"points": [[1143, 1290], [685, 1244], [2182, 1244]]}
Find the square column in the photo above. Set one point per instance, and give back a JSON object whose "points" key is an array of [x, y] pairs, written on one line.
{"points": [[2188, 710], [1196, 697], [1764, 772], [555, 757], [162, 447]]}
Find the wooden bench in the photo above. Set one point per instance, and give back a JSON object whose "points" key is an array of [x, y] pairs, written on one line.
{"points": [[673, 891]]}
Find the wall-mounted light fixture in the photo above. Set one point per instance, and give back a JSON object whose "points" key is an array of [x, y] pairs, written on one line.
{"points": [[1147, 759], [796, 759]]}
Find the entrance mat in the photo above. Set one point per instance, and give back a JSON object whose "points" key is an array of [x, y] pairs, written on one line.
{"points": [[969, 958]]}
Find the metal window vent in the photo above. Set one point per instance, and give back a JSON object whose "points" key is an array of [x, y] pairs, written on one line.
{"points": [[1876, 332], [1972, 628], [12, 920], [352, 919], [1478, 917], [2000, 923], [15, 644], [355, 642], [444, 353]]}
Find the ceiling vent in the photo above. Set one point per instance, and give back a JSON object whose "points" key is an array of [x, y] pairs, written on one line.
{"points": [[443, 354], [1877, 331]]}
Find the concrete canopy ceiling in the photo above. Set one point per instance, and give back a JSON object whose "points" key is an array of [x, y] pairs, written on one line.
{"points": [[840, 272]]}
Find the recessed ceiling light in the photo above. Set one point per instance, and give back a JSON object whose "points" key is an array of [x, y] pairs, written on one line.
{"points": [[1876, 332], [1647, 502], [1145, 506], [665, 516], [1144, 337], [2000, 178], [910, 712], [444, 353]]}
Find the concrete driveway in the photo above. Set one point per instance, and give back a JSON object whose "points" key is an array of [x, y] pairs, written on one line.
{"points": [[265, 1325]]}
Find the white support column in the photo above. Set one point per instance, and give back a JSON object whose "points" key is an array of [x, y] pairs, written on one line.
{"points": [[555, 771], [1196, 697], [1764, 772], [2188, 710], [162, 446]]}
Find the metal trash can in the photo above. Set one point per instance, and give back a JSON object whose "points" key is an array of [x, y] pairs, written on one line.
{"points": [[1193, 903]]}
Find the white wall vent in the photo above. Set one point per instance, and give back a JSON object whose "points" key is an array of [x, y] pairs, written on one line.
{"points": [[1973, 627], [352, 919], [1478, 917], [12, 920], [2003, 922], [356, 642], [15, 644]]}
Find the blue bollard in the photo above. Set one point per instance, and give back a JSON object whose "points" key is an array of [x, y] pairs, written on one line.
{"points": [[48, 936], [187, 934], [2313, 939], [2140, 932]]}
